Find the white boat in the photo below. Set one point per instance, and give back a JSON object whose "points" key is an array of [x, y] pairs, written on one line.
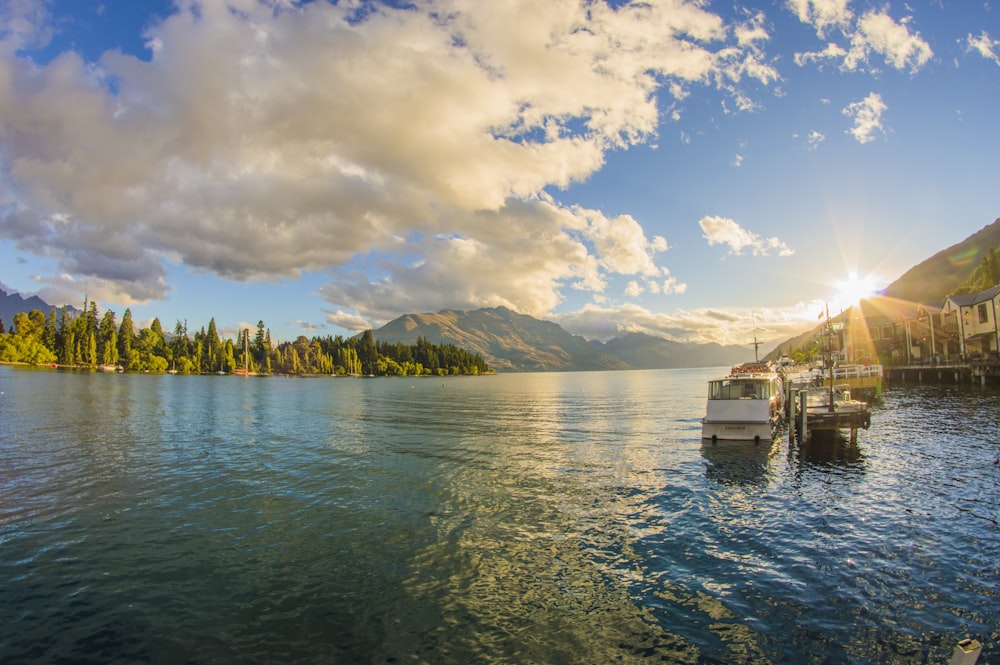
{"points": [[746, 405]]}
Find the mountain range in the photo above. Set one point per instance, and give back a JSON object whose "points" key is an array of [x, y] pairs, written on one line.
{"points": [[512, 342], [13, 303]]}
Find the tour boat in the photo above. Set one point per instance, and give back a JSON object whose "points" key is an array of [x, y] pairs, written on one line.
{"points": [[745, 405]]}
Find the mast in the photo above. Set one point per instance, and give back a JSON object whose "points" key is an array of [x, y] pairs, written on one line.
{"points": [[829, 354], [756, 344]]}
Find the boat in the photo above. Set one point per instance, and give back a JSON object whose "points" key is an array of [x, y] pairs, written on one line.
{"points": [[833, 409], [746, 405], [829, 406], [110, 368], [245, 370]]}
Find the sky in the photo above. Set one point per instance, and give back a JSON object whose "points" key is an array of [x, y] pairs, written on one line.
{"points": [[700, 171]]}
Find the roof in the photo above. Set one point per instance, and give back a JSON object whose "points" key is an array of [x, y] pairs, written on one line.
{"points": [[969, 299]]}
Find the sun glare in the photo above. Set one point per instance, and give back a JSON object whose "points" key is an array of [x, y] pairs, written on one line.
{"points": [[848, 292]]}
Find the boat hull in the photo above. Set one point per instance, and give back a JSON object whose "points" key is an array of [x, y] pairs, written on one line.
{"points": [[739, 431]]}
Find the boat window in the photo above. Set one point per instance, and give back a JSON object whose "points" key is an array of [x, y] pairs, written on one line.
{"points": [[745, 389]]}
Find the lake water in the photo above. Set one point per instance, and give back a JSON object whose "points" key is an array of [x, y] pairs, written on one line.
{"points": [[519, 518]]}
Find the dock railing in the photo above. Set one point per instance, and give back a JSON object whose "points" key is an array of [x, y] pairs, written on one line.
{"points": [[856, 371]]}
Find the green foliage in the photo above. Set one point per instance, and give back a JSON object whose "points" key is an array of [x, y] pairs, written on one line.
{"points": [[985, 276], [89, 341]]}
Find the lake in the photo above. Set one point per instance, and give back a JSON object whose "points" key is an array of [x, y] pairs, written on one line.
{"points": [[517, 518]]}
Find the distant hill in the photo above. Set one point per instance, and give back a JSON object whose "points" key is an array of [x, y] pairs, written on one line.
{"points": [[512, 342], [931, 281], [13, 303], [642, 351]]}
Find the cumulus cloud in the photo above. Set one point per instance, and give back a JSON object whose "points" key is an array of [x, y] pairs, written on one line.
{"points": [[823, 15], [268, 137], [867, 115], [347, 321], [874, 32], [985, 46], [519, 257], [725, 231], [697, 326]]}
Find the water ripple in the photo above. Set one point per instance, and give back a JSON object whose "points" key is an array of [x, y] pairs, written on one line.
{"points": [[556, 518]]}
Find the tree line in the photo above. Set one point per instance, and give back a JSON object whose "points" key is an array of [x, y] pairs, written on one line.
{"points": [[89, 340]]}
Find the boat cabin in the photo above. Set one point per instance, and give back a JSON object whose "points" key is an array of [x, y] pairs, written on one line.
{"points": [[742, 388]]}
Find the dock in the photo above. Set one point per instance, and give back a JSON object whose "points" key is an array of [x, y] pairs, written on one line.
{"points": [[974, 371], [815, 404]]}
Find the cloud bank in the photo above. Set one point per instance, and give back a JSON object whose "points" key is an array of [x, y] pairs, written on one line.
{"points": [[264, 138]]}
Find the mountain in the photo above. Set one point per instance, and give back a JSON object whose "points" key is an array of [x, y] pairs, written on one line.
{"points": [[508, 341], [931, 281], [13, 303], [643, 351], [512, 342]]}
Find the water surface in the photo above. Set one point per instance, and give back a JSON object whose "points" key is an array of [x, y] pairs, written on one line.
{"points": [[520, 518]]}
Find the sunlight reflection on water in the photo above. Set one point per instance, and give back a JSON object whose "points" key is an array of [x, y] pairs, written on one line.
{"points": [[508, 519]]}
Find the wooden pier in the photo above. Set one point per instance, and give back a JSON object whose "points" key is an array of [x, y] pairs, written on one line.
{"points": [[985, 371]]}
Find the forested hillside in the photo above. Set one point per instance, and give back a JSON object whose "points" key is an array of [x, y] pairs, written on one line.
{"points": [[93, 340], [931, 281]]}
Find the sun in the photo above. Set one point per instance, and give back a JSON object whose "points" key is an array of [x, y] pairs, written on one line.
{"points": [[848, 292]]}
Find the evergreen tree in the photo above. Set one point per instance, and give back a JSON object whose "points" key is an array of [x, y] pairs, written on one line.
{"points": [[126, 340], [50, 331], [107, 339]]}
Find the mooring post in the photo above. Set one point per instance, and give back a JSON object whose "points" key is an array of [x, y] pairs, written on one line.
{"points": [[966, 653], [791, 415], [802, 415]]}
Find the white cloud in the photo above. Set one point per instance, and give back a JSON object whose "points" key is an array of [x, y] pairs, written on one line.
{"points": [[519, 257], [268, 137], [725, 231], [874, 32], [985, 46], [867, 116], [880, 33], [699, 326], [347, 321], [24, 24], [832, 52], [822, 14], [815, 138]]}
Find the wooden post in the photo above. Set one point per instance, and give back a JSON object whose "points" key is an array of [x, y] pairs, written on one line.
{"points": [[791, 416], [802, 415]]}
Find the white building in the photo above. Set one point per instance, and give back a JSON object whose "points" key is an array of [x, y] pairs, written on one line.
{"points": [[978, 315]]}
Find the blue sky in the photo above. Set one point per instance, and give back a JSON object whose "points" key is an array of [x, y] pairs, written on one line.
{"points": [[684, 169]]}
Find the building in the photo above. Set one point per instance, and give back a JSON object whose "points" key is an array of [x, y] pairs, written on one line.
{"points": [[976, 319]]}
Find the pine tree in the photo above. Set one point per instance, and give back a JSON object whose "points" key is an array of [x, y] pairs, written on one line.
{"points": [[126, 339]]}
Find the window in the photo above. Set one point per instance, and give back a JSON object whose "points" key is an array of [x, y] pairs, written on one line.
{"points": [[984, 313], [725, 389]]}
